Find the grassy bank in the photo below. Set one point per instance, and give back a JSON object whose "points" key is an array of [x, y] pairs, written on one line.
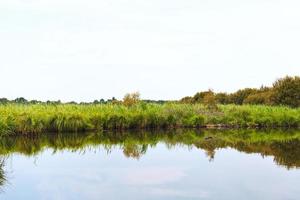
{"points": [[23, 119]]}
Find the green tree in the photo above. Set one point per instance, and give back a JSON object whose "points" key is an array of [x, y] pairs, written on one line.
{"points": [[239, 96], [222, 98], [20, 100], [199, 97], [102, 101], [286, 91], [96, 102], [262, 96], [4, 100]]}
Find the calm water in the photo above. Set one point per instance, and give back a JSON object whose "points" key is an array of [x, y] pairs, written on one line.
{"points": [[174, 165]]}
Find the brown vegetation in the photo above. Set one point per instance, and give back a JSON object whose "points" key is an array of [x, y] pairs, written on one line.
{"points": [[131, 99]]}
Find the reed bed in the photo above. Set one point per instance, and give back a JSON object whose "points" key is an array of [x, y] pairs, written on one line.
{"points": [[29, 118]]}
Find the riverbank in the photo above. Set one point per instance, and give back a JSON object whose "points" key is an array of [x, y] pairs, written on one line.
{"points": [[29, 118]]}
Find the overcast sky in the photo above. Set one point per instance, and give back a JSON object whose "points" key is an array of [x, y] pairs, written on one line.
{"points": [[166, 49]]}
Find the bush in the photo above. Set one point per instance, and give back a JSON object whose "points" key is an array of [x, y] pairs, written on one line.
{"points": [[210, 102], [240, 96], [286, 91], [131, 99], [221, 98], [259, 98], [199, 97]]}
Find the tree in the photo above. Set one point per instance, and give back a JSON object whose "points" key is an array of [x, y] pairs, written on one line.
{"points": [[239, 96], [72, 102], [258, 98], [96, 102], [262, 96], [102, 101], [187, 100], [4, 100], [113, 100], [131, 99], [209, 101], [20, 100], [199, 97], [34, 102], [222, 98], [286, 91]]}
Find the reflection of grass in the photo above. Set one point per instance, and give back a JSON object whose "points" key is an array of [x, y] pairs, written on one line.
{"points": [[17, 118], [283, 145], [2, 174]]}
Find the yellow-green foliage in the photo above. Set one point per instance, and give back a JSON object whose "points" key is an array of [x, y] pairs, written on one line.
{"points": [[131, 99], [20, 118]]}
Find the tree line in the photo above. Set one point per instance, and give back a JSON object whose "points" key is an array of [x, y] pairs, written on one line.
{"points": [[284, 91], [129, 99]]}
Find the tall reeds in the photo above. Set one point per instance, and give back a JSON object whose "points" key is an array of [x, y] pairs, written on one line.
{"points": [[25, 119]]}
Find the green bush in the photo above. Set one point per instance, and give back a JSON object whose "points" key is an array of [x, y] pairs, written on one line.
{"points": [[286, 91]]}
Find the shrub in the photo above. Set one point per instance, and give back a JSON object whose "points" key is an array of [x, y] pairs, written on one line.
{"points": [[131, 99], [240, 96], [221, 98], [287, 91], [199, 97], [259, 98], [210, 102]]}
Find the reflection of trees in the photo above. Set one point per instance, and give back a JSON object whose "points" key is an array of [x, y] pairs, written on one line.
{"points": [[283, 145], [134, 150], [2, 173], [286, 153], [209, 146], [210, 154]]}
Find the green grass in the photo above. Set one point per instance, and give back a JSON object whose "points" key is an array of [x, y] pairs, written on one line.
{"points": [[25, 119]]}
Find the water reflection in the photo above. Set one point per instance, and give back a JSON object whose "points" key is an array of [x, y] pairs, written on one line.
{"points": [[161, 174], [283, 145], [2, 172]]}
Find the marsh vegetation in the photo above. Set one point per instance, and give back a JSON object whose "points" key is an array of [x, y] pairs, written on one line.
{"points": [[267, 107], [28, 119]]}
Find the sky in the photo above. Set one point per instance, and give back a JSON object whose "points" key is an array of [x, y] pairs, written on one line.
{"points": [[165, 49]]}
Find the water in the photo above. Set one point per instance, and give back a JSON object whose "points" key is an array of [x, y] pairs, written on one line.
{"points": [[174, 165]]}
